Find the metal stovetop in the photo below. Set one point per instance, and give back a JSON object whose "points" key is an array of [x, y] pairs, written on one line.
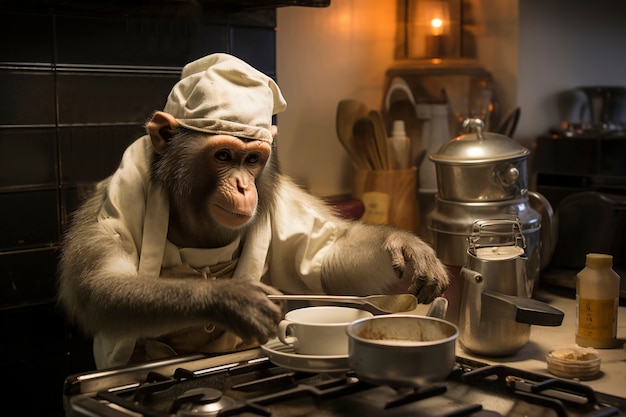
{"points": [[254, 386]]}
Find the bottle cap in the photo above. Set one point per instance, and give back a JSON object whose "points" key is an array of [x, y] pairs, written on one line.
{"points": [[599, 260]]}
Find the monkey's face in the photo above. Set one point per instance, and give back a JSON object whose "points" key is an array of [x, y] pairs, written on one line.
{"points": [[234, 164]]}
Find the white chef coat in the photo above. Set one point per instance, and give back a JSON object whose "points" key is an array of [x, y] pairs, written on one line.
{"points": [[285, 249]]}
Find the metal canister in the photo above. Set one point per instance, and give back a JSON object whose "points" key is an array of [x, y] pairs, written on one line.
{"points": [[482, 175]]}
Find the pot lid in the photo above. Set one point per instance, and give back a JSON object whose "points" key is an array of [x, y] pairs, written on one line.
{"points": [[478, 147]]}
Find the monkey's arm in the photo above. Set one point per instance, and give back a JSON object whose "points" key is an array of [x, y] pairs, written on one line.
{"points": [[351, 257], [99, 286], [369, 259]]}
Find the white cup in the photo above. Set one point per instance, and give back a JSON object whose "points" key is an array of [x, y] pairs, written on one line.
{"points": [[319, 330]]}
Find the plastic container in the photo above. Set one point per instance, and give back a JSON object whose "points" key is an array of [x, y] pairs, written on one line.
{"points": [[401, 145], [597, 301], [580, 363]]}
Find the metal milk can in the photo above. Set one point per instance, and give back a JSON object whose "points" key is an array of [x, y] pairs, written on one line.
{"points": [[496, 309]]}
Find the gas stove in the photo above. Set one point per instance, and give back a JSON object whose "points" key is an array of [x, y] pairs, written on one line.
{"points": [[249, 384]]}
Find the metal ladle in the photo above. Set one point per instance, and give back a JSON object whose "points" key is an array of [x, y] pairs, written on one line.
{"points": [[385, 304]]}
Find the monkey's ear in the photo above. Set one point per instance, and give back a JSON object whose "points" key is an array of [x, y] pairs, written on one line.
{"points": [[160, 129]]}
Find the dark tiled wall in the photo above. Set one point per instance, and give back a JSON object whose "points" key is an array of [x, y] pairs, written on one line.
{"points": [[77, 88]]}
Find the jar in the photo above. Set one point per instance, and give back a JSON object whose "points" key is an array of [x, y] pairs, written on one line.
{"points": [[597, 301]]}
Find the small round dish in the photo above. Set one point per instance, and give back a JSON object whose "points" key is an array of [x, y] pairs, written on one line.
{"points": [[283, 355], [578, 362]]}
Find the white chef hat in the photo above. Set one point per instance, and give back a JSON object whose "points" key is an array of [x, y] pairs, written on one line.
{"points": [[221, 94]]}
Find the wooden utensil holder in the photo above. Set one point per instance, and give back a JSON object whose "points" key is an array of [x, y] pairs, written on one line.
{"points": [[389, 196]]}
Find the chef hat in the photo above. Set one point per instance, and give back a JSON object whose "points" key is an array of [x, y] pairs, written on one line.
{"points": [[221, 94]]}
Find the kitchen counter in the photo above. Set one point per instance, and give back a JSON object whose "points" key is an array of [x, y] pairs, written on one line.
{"points": [[612, 377]]}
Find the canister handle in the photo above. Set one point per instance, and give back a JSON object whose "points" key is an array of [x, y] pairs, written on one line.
{"points": [[493, 228]]}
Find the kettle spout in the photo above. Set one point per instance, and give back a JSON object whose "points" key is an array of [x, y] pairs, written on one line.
{"points": [[519, 309]]}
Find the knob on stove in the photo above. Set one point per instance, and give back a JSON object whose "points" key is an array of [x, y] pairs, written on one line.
{"points": [[201, 402]]}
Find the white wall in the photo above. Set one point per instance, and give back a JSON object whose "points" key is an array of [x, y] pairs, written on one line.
{"points": [[535, 49], [565, 44], [496, 44], [325, 55]]}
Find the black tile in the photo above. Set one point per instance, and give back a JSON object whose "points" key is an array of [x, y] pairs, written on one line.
{"points": [[28, 157], [109, 98], [28, 219], [250, 44], [26, 37], [27, 97], [27, 277], [89, 154], [133, 41]]}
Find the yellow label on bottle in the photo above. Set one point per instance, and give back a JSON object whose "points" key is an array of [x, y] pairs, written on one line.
{"points": [[596, 318]]}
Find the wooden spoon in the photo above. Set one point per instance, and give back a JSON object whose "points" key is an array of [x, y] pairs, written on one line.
{"points": [[365, 143], [348, 112], [385, 153]]}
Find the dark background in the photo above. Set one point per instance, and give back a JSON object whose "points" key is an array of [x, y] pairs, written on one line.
{"points": [[78, 80]]}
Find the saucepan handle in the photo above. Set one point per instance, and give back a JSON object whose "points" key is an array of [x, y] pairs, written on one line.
{"points": [[522, 309], [438, 308]]}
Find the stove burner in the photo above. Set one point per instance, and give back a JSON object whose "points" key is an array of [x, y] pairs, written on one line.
{"points": [[258, 388], [414, 394], [201, 402]]}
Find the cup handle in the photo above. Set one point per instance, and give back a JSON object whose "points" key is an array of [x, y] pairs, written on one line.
{"points": [[284, 333]]}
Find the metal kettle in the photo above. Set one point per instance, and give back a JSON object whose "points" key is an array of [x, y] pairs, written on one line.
{"points": [[496, 309]]}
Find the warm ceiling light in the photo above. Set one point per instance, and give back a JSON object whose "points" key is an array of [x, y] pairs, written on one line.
{"points": [[436, 23]]}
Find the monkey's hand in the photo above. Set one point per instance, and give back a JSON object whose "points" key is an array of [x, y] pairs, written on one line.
{"points": [[370, 259], [243, 307], [416, 265]]}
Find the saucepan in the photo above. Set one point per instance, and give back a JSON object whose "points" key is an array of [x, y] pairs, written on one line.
{"points": [[402, 350]]}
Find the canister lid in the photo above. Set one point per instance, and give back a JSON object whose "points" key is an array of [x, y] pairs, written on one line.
{"points": [[499, 253], [478, 147]]}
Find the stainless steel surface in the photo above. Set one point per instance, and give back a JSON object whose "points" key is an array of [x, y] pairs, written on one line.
{"points": [[256, 387], [549, 226], [450, 223], [481, 166], [518, 386], [394, 303], [496, 310], [483, 175], [402, 350]]}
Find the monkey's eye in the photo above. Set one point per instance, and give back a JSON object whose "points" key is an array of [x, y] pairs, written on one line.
{"points": [[253, 159], [223, 155]]}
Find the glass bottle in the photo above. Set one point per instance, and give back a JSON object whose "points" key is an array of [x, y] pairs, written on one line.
{"points": [[597, 301]]}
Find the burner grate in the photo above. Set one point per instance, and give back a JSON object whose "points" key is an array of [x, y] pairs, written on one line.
{"points": [[259, 388]]}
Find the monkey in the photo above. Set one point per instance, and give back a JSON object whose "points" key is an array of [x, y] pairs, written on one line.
{"points": [[177, 250]]}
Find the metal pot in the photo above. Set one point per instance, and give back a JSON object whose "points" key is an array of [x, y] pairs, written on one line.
{"points": [[481, 166], [402, 350]]}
